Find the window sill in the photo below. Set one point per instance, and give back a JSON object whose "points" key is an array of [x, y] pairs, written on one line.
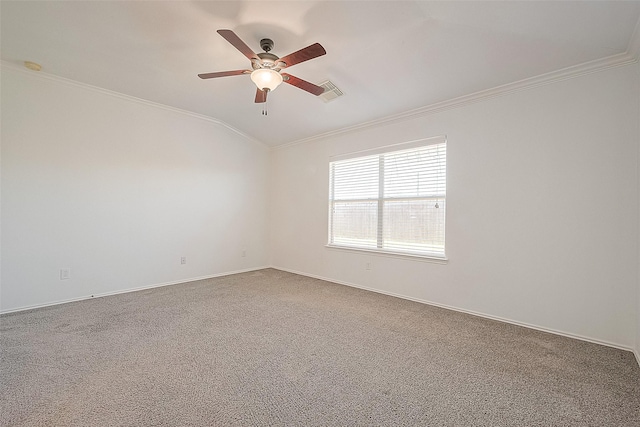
{"points": [[415, 257]]}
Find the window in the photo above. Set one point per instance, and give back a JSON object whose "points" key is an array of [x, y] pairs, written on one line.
{"points": [[391, 201]]}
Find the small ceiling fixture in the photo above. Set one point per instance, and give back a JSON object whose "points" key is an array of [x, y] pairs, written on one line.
{"points": [[32, 66], [266, 67]]}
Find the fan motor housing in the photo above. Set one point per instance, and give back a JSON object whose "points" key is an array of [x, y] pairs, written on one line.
{"points": [[267, 60]]}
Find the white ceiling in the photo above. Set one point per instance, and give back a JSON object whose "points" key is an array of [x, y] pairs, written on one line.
{"points": [[387, 57]]}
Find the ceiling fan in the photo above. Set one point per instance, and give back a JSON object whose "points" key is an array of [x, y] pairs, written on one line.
{"points": [[267, 68]]}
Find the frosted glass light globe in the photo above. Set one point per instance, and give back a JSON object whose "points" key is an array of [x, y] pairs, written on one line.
{"points": [[265, 78]]}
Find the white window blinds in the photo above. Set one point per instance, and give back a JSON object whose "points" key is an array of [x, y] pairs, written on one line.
{"points": [[390, 202]]}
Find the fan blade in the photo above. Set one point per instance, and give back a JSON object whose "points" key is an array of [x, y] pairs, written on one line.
{"points": [[303, 84], [302, 55], [223, 74], [261, 96], [231, 37]]}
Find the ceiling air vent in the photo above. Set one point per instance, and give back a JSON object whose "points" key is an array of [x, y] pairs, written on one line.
{"points": [[331, 91]]}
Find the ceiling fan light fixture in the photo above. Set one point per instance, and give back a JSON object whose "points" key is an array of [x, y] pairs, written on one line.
{"points": [[266, 73], [265, 78]]}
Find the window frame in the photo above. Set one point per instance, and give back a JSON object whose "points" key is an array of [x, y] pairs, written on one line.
{"points": [[430, 257]]}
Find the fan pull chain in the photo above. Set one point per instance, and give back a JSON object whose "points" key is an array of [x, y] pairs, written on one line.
{"points": [[264, 106]]}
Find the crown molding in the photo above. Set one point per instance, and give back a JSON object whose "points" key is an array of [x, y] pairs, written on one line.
{"points": [[632, 55], [567, 73], [633, 48], [43, 75]]}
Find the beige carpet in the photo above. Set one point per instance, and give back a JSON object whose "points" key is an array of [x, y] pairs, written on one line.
{"points": [[273, 348]]}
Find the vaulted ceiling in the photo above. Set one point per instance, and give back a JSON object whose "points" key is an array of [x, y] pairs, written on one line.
{"points": [[388, 57]]}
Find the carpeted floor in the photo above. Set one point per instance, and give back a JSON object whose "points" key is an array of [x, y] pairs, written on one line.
{"points": [[274, 348]]}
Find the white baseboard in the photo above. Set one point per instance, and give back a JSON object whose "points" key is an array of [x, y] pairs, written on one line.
{"points": [[474, 313], [124, 291], [636, 352]]}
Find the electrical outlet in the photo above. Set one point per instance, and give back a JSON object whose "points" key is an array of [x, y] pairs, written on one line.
{"points": [[368, 266], [244, 253], [183, 260], [65, 274]]}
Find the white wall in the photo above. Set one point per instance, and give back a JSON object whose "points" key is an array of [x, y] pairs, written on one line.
{"points": [[118, 190], [542, 220], [637, 349]]}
